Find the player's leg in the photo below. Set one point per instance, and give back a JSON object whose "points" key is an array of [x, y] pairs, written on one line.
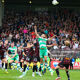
{"points": [[41, 59], [24, 69], [41, 64], [57, 72], [67, 72], [38, 65], [2, 61], [34, 66], [48, 67], [70, 66], [9, 60], [16, 58], [18, 65], [46, 62], [21, 59], [21, 63], [2, 57], [45, 59], [25, 66], [5, 61], [2, 65], [34, 69], [9, 65], [26, 62], [40, 69], [60, 65], [42, 53]]}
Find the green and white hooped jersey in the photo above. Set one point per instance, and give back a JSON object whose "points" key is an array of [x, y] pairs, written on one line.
{"points": [[42, 42], [12, 50]]}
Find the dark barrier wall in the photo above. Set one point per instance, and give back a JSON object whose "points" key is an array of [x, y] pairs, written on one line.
{"points": [[37, 8], [43, 4]]}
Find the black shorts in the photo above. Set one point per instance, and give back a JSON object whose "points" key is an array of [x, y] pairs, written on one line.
{"points": [[2, 55], [36, 59], [62, 65], [21, 58], [28, 59]]}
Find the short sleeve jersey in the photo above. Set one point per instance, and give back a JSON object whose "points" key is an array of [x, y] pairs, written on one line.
{"points": [[20, 53], [66, 60], [42, 42], [12, 50]]}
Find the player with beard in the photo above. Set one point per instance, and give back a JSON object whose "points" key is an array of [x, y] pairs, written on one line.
{"points": [[3, 53], [36, 59], [43, 50], [28, 56]]}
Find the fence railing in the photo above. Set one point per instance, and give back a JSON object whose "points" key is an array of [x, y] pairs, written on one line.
{"points": [[62, 53]]}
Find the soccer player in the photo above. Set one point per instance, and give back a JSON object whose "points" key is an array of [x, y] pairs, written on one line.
{"points": [[3, 50], [28, 56], [13, 55], [63, 64], [36, 59], [47, 57], [21, 56], [43, 50]]}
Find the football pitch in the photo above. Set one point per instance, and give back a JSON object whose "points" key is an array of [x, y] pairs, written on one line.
{"points": [[14, 74]]}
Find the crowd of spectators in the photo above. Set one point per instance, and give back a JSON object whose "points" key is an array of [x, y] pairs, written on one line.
{"points": [[65, 24]]}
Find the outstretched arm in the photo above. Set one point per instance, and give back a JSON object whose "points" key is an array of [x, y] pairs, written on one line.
{"points": [[49, 45], [29, 46], [51, 38], [35, 27]]}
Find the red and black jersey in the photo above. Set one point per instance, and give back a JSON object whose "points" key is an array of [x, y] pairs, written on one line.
{"points": [[20, 53], [3, 49], [26, 51], [36, 45], [29, 51], [65, 63], [66, 60]]}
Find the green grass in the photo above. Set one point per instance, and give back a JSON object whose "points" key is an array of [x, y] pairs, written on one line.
{"points": [[14, 74]]}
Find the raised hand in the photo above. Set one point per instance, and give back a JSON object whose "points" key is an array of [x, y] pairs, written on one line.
{"points": [[35, 27]]}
